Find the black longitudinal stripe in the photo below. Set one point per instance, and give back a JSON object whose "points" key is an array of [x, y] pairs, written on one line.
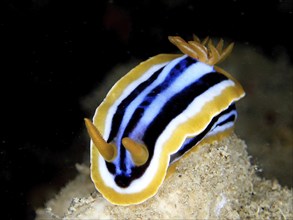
{"points": [[200, 136], [177, 104], [117, 118]]}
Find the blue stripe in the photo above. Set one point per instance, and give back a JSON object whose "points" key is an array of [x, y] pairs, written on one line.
{"points": [[117, 118]]}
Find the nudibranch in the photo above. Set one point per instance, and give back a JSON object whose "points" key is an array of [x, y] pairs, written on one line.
{"points": [[155, 114]]}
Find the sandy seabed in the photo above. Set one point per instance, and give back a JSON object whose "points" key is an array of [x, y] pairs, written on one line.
{"points": [[215, 182]]}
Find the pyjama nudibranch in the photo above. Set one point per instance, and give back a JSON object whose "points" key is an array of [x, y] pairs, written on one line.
{"points": [[156, 113]]}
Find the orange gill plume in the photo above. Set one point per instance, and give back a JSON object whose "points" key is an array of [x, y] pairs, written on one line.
{"points": [[204, 51]]}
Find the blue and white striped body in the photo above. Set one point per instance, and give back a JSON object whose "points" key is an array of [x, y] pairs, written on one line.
{"points": [[169, 108]]}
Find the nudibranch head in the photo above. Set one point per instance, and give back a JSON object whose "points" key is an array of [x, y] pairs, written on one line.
{"points": [[155, 114]]}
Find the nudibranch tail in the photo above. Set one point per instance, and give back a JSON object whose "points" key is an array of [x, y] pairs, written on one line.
{"points": [[204, 51], [138, 151], [106, 150]]}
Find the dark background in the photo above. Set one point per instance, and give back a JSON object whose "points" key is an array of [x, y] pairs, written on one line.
{"points": [[54, 52]]}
